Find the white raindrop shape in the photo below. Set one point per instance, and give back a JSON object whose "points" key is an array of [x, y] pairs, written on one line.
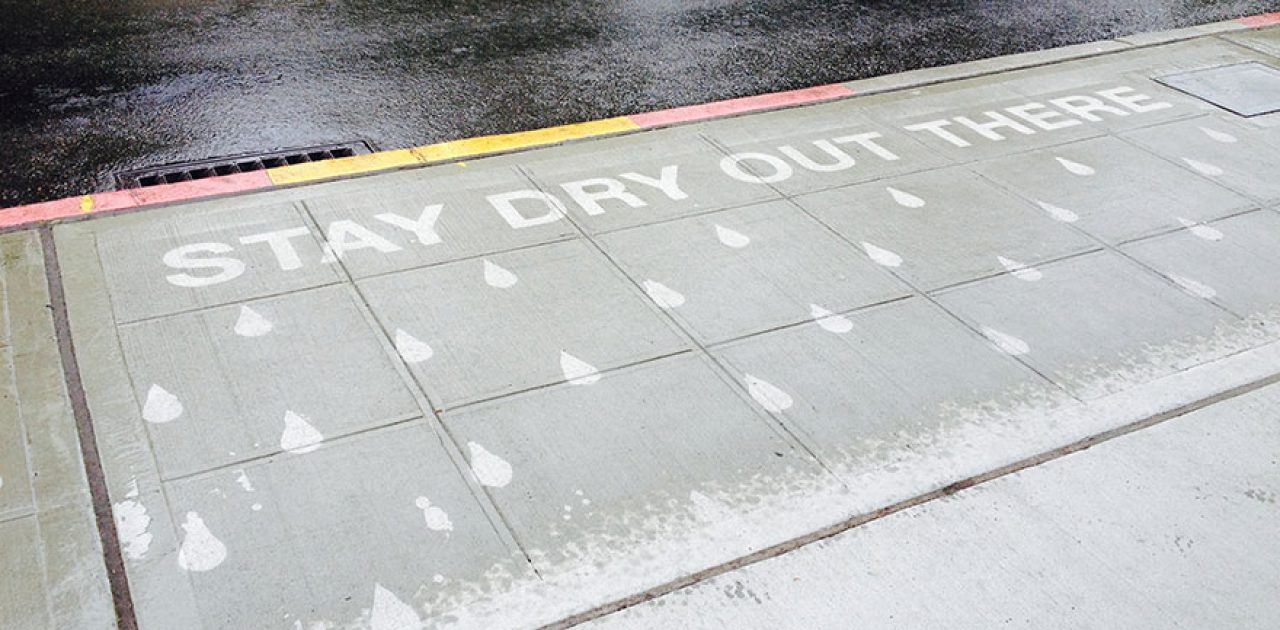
{"points": [[577, 371], [1194, 287], [490, 470], [412, 349], [498, 277], [1059, 213], [1020, 270], [133, 526], [161, 406], [829, 321], [882, 256], [437, 519], [390, 613], [905, 199], [1007, 343], [299, 436], [768, 395], [251, 323], [663, 295], [1076, 168], [1219, 136], [1201, 230], [732, 238], [200, 550], [1204, 168]]}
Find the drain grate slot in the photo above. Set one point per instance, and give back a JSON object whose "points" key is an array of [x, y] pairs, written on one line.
{"points": [[244, 163]]}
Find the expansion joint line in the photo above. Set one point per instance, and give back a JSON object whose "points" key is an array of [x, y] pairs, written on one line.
{"points": [[117, 579]]}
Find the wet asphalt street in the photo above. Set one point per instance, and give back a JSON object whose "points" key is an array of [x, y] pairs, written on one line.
{"points": [[88, 87]]}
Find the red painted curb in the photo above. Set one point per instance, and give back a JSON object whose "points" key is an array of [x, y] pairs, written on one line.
{"points": [[201, 188], [131, 198], [1264, 19], [740, 105]]}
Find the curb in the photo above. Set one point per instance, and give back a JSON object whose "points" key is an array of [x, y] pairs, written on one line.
{"points": [[22, 216]]}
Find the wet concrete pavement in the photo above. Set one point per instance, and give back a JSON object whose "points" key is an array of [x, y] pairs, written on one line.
{"points": [[88, 88], [533, 389]]}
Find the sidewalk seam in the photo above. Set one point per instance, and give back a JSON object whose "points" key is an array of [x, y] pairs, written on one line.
{"points": [[945, 491], [118, 580]]}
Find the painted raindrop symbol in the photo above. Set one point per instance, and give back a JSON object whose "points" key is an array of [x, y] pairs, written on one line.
{"points": [[882, 256], [829, 321], [1199, 229], [490, 470], [663, 295], [161, 406], [200, 550], [299, 436], [390, 613], [1058, 213], [1076, 168], [1204, 168], [769, 396], [133, 524], [905, 199], [1007, 343], [1020, 270], [412, 349], [577, 371], [1219, 136], [732, 238], [251, 323], [437, 519], [498, 277], [1194, 287]]}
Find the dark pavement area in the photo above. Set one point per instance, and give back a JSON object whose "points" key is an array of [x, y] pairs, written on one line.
{"points": [[91, 87]]}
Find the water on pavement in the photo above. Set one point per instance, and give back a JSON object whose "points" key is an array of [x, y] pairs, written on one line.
{"points": [[89, 87]]}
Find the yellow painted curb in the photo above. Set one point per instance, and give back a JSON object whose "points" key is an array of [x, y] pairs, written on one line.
{"points": [[521, 139], [328, 169], [86, 203]]}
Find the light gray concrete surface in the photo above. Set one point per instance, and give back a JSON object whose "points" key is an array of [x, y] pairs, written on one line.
{"points": [[50, 555], [502, 393], [1175, 526]]}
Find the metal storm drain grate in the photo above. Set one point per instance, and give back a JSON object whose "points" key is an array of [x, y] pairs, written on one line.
{"points": [[1248, 89], [200, 169]]}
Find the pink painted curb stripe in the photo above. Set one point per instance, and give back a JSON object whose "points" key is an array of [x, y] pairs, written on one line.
{"points": [[124, 199], [740, 105], [1264, 19], [201, 188]]}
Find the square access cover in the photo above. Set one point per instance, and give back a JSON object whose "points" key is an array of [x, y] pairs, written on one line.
{"points": [[1248, 89]]}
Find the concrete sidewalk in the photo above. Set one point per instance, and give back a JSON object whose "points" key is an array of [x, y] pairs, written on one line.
{"points": [[537, 388]]}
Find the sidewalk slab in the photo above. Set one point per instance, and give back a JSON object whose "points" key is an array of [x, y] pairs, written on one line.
{"points": [[1239, 261], [52, 560], [878, 379], [1118, 192], [1240, 156], [1173, 526], [634, 180], [947, 225], [429, 216], [749, 269], [227, 384], [287, 523], [1097, 323], [664, 442], [489, 340]]}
